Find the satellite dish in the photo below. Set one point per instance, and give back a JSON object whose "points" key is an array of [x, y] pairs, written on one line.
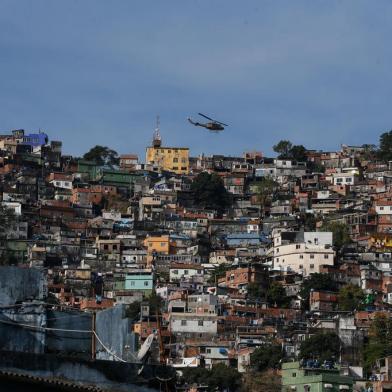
{"points": [[145, 347]]}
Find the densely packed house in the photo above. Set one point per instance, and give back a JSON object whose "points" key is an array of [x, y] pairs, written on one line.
{"points": [[217, 257]]}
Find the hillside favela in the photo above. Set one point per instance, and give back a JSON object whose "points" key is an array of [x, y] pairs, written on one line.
{"points": [[176, 272]]}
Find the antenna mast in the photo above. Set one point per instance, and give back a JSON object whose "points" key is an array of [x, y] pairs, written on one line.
{"points": [[157, 141]]}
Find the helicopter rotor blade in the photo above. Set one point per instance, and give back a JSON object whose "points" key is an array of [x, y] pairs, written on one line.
{"points": [[208, 118], [225, 125], [211, 119]]}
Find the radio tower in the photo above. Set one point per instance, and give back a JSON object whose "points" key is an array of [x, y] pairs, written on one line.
{"points": [[156, 140]]}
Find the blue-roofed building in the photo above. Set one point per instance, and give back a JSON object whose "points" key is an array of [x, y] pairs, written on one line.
{"points": [[245, 239], [35, 139]]}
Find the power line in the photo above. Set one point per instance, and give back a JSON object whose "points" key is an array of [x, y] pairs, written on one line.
{"points": [[43, 329]]}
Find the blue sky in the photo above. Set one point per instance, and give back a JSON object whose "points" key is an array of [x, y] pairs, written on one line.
{"points": [[98, 72]]}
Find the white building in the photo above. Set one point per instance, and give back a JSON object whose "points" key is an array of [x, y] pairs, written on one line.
{"points": [[14, 206], [302, 252], [384, 206], [192, 323], [61, 180], [348, 178], [184, 271]]}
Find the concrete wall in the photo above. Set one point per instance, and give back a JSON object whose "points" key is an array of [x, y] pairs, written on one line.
{"points": [[21, 284], [69, 342], [115, 331], [20, 338]]}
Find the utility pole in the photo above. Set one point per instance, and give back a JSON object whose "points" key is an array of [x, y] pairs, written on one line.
{"points": [[93, 338], [162, 357]]}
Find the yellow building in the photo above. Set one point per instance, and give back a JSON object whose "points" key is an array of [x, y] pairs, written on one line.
{"points": [[154, 245], [175, 159]]}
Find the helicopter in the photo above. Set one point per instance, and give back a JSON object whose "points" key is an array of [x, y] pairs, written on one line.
{"points": [[213, 126]]}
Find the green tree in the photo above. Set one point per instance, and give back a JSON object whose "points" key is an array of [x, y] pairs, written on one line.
{"points": [[298, 153], [267, 381], [209, 192], [283, 148], [321, 346], [316, 281], [217, 273], [155, 302], [340, 233], [133, 310], [266, 357], [224, 378], [385, 150], [379, 344], [308, 221], [219, 378], [315, 167], [102, 156], [370, 151], [351, 298], [276, 296], [287, 150], [264, 192], [255, 290]]}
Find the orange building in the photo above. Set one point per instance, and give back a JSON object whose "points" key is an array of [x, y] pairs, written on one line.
{"points": [[155, 245]]}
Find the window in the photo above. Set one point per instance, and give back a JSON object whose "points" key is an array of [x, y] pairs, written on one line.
{"points": [[312, 256], [106, 247], [208, 351], [183, 168], [175, 272], [175, 160], [146, 282], [183, 322], [381, 208], [200, 323], [297, 246], [326, 256], [163, 244], [311, 266], [175, 167], [132, 283], [277, 250], [186, 272], [301, 256], [301, 266]]}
